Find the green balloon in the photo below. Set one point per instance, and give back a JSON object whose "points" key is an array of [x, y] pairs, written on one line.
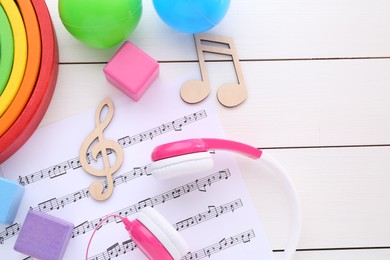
{"points": [[100, 23]]}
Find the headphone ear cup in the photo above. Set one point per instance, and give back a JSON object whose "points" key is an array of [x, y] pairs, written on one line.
{"points": [[181, 165], [164, 232]]}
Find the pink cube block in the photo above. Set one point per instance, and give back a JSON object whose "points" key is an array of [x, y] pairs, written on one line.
{"points": [[131, 70]]}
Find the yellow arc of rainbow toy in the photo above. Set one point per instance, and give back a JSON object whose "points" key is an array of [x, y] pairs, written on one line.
{"points": [[20, 54]]}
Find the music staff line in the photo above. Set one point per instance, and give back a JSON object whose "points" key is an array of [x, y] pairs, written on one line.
{"points": [[58, 203], [73, 164], [213, 212], [198, 184], [223, 244]]}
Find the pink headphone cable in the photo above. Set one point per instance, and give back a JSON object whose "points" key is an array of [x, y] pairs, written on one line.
{"points": [[125, 221]]}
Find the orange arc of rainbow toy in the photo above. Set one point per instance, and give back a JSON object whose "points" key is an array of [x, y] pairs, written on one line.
{"points": [[32, 68]]}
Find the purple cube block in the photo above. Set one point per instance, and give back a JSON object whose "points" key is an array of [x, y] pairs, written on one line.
{"points": [[43, 236]]}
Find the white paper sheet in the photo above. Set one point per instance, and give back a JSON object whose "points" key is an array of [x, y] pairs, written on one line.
{"points": [[212, 210]]}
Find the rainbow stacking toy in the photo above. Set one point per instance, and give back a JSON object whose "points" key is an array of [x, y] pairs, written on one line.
{"points": [[29, 84]]}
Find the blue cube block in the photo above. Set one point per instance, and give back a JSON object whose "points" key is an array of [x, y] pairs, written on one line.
{"points": [[43, 236], [11, 194]]}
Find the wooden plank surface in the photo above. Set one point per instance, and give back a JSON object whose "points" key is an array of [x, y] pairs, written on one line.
{"points": [[290, 104], [357, 254], [318, 81], [343, 192], [262, 29]]}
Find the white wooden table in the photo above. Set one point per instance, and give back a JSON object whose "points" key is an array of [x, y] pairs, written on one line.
{"points": [[318, 76]]}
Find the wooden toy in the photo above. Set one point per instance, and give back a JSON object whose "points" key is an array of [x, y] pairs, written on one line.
{"points": [[11, 194], [36, 106], [101, 148], [230, 94], [43, 236], [131, 70], [32, 68], [6, 49], [20, 54]]}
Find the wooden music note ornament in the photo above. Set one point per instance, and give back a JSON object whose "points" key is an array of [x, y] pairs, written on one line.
{"points": [[102, 146], [230, 94]]}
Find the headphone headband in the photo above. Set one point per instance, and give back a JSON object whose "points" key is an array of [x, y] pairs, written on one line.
{"points": [[186, 147], [202, 145], [159, 242]]}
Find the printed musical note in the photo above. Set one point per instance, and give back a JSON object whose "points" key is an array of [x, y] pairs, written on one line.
{"points": [[57, 170], [75, 164], [81, 229], [12, 230], [114, 250], [204, 182], [204, 216], [102, 146], [48, 205], [229, 94], [128, 245], [145, 203], [9, 232]]}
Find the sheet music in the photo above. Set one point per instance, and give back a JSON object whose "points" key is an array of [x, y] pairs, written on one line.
{"points": [[212, 210]]}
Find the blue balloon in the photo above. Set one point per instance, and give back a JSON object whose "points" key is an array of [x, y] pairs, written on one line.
{"points": [[191, 16]]}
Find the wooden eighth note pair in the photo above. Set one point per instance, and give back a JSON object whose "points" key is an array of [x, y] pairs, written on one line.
{"points": [[102, 147], [229, 94]]}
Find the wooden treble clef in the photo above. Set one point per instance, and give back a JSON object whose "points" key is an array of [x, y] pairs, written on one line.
{"points": [[102, 146]]}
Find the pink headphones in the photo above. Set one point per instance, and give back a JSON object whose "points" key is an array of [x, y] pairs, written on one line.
{"points": [[155, 236]]}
